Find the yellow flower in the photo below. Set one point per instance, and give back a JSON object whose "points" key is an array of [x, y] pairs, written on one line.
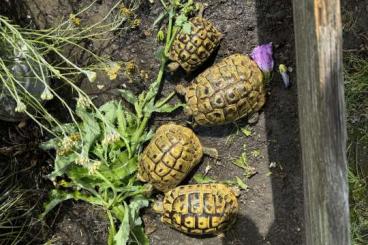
{"points": [[82, 160], [91, 75], [21, 107], [130, 67], [125, 11], [83, 102], [46, 94], [160, 35], [94, 167], [68, 144], [112, 70], [111, 138], [136, 22], [74, 19]]}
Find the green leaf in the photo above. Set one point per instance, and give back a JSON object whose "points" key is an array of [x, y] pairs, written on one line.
{"points": [[90, 129], [168, 108], [241, 183], [120, 169], [51, 144], [139, 235], [128, 96], [56, 197], [201, 179], [122, 236], [79, 175], [135, 206], [246, 131], [61, 164], [181, 20], [109, 111], [187, 27], [146, 136], [242, 161]]}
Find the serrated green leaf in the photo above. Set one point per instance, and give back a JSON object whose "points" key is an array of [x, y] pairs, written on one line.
{"points": [[246, 131], [80, 175], [122, 236], [241, 183], [139, 235], [56, 197], [109, 111], [201, 179], [128, 96], [61, 164], [180, 20], [147, 136], [51, 144], [119, 170], [187, 27], [168, 108], [242, 161], [135, 206], [256, 153], [90, 129]]}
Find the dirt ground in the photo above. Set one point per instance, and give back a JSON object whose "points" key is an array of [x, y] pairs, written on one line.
{"points": [[271, 211]]}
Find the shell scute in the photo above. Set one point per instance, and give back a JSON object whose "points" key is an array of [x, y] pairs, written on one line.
{"points": [[172, 153], [200, 209], [192, 49], [227, 91]]}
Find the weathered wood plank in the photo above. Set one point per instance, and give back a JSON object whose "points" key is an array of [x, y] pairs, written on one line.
{"points": [[318, 35]]}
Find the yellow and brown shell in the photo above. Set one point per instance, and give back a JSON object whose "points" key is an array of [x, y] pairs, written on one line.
{"points": [[225, 92], [200, 209], [190, 50], [169, 157]]}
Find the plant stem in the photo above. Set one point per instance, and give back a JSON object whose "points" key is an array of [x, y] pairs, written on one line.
{"points": [[155, 86]]}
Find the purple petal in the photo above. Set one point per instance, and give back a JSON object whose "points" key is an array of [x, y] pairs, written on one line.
{"points": [[262, 55]]}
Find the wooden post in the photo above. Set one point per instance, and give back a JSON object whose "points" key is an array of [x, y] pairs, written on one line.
{"points": [[318, 35]]}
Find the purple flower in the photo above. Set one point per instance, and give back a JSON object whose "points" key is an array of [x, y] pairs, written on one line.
{"points": [[262, 55]]}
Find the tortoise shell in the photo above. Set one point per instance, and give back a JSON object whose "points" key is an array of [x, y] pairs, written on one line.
{"points": [[226, 92], [169, 157], [192, 49], [200, 209]]}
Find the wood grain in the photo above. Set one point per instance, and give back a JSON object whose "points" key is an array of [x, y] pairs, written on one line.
{"points": [[318, 35]]}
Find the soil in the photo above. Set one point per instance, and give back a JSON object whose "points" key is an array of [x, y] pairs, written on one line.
{"points": [[271, 210]]}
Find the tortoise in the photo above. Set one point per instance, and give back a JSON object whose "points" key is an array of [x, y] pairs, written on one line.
{"points": [[190, 50], [200, 209], [171, 154], [225, 92]]}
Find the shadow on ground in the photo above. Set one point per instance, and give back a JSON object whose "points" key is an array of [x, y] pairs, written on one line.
{"points": [[275, 24]]}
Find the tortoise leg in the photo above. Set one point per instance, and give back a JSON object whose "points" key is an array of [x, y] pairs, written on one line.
{"points": [[212, 152], [253, 119], [173, 66], [158, 207], [201, 8]]}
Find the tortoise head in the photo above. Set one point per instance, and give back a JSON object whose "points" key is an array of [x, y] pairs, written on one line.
{"points": [[158, 206], [173, 66], [180, 89]]}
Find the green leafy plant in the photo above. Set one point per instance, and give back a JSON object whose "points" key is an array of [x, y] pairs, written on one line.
{"points": [[96, 161], [28, 49]]}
